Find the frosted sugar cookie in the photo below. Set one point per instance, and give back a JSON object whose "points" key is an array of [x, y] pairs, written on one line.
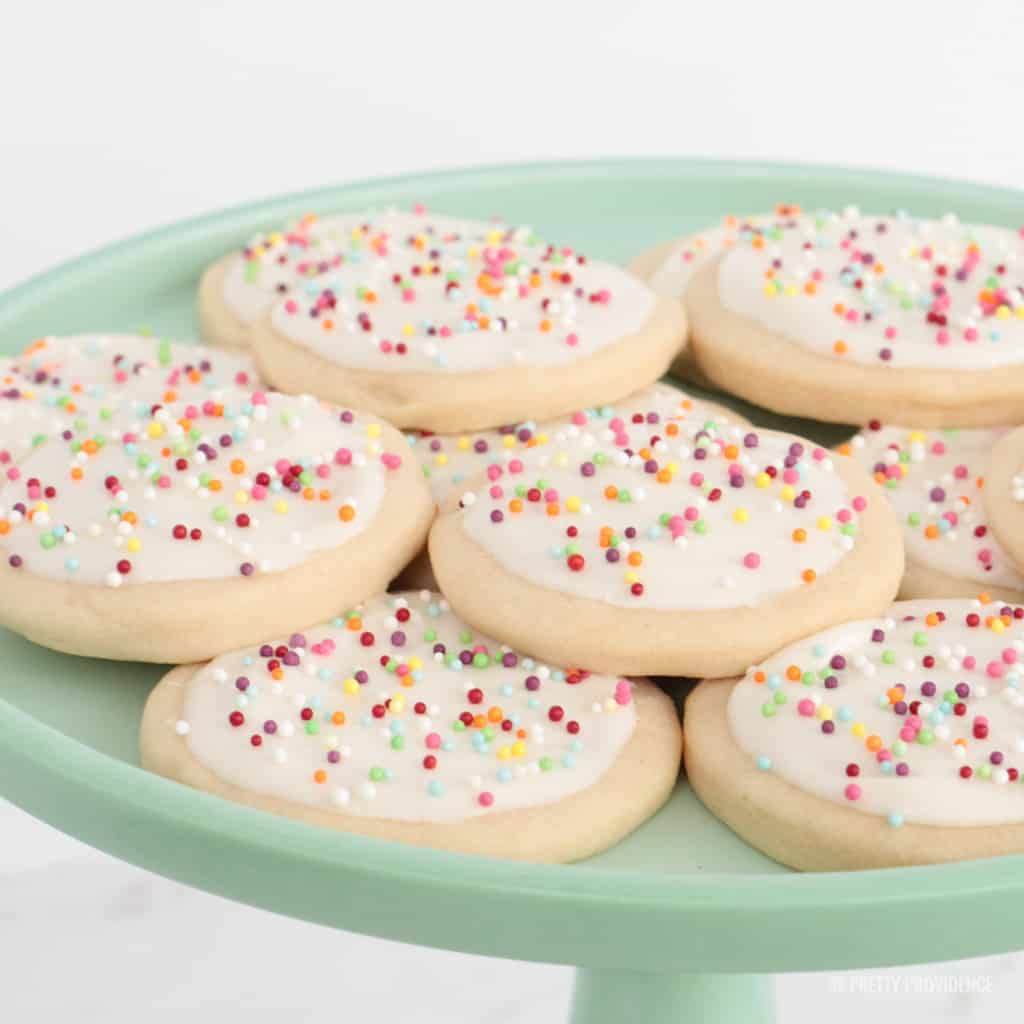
{"points": [[395, 720], [1004, 495], [890, 741], [449, 325], [848, 317], [688, 554], [173, 529], [452, 461], [935, 481], [668, 268], [55, 383]]}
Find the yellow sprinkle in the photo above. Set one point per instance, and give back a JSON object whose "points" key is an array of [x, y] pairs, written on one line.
{"points": [[373, 430], [241, 497], [350, 686], [462, 444], [572, 504], [632, 577], [1003, 313], [134, 544], [155, 429], [858, 729], [825, 713], [518, 748], [397, 705], [787, 492], [762, 480], [741, 515], [509, 440], [504, 753], [281, 506], [825, 523], [442, 459], [408, 330]]}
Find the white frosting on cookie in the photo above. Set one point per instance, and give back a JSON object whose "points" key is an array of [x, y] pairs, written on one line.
{"points": [[934, 480], [884, 291], [666, 517], [917, 719], [451, 460], [687, 255], [234, 483], [55, 382], [397, 710], [407, 292]]}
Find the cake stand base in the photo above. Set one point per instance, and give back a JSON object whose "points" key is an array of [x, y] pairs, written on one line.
{"points": [[625, 997]]}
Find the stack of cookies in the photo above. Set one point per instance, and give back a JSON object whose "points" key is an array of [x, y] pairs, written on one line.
{"points": [[422, 523]]}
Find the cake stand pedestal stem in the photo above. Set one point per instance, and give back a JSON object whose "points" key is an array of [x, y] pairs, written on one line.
{"points": [[635, 997]]}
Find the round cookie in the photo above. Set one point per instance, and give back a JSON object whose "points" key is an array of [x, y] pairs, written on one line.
{"points": [[395, 721], [669, 267], [452, 461], [56, 381], [670, 551], [935, 481], [1004, 494], [880, 743], [449, 325], [850, 317], [171, 530]]}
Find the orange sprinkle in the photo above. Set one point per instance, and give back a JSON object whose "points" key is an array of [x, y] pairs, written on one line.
{"points": [[355, 623], [320, 776], [76, 473], [515, 505], [793, 673], [799, 535], [495, 714], [237, 466], [635, 558], [346, 514], [338, 718], [611, 492], [808, 575], [553, 508], [873, 743], [840, 348]]}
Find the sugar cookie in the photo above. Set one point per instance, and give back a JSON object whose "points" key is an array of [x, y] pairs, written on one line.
{"points": [[935, 481], [848, 317], [172, 527], [54, 382], [451, 461], [447, 325], [395, 721], [885, 742], [668, 268], [688, 554], [1004, 494]]}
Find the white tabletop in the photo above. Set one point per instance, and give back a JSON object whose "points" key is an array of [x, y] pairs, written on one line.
{"points": [[118, 117]]}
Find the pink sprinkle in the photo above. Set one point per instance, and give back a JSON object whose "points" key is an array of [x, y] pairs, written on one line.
{"points": [[859, 504], [493, 472], [579, 419], [942, 337], [164, 482], [1010, 656], [890, 333], [696, 479], [852, 791], [971, 334], [391, 460], [323, 471], [515, 466], [806, 707], [623, 692], [259, 398], [960, 472], [433, 740], [752, 560], [692, 514], [995, 669], [790, 476], [291, 306], [343, 457], [495, 492], [259, 492], [486, 799], [844, 515], [572, 339]]}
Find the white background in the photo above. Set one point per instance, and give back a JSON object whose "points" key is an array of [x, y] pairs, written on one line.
{"points": [[116, 117]]}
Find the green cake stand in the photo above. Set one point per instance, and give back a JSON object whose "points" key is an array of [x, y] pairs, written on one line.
{"points": [[680, 922]]}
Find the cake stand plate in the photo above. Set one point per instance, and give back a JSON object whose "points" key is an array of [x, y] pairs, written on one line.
{"points": [[682, 921]]}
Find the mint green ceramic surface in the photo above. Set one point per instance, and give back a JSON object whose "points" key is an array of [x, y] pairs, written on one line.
{"points": [[682, 894]]}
